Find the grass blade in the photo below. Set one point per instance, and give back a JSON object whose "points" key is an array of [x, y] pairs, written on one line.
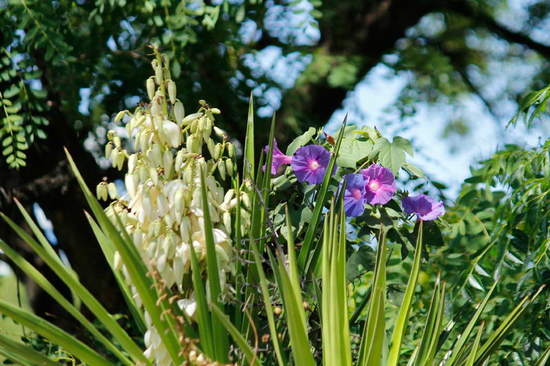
{"points": [[401, 321]]}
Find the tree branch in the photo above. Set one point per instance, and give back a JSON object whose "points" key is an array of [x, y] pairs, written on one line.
{"points": [[465, 9]]}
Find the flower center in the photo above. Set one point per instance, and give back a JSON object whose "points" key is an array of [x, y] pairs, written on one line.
{"points": [[356, 193], [374, 185], [314, 165]]}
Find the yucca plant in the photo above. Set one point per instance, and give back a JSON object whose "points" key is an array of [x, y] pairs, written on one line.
{"points": [[217, 268]]}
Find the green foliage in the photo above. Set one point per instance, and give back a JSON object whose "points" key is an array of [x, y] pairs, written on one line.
{"points": [[21, 120]]}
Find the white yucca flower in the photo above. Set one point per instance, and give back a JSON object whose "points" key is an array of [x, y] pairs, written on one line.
{"points": [[162, 208]]}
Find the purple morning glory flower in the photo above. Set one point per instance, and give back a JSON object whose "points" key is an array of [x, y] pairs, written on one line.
{"points": [[309, 163], [425, 207], [379, 184], [354, 195], [278, 159]]}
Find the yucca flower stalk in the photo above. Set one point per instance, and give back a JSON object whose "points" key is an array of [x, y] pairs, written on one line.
{"points": [[172, 156]]}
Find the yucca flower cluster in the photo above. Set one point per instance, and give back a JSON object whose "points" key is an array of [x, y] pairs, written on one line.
{"points": [[162, 208]]}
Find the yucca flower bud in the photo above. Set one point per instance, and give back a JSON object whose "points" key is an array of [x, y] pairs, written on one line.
{"points": [[229, 167], [111, 188], [171, 86], [108, 149], [151, 88], [158, 71], [211, 148], [101, 191], [172, 133], [132, 160], [167, 163], [190, 118], [117, 142], [221, 169], [230, 149], [120, 115], [179, 111]]}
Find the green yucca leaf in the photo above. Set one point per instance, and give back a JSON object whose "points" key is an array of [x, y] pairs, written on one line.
{"points": [[82, 292], [46, 244], [472, 356], [372, 341], [497, 335], [41, 281], [267, 303], [544, 358], [432, 328], [135, 267], [108, 250], [248, 163], [203, 318], [239, 339], [334, 309], [404, 309], [308, 256], [23, 354], [458, 347], [299, 340], [293, 266], [220, 341], [39, 235], [54, 334]]}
